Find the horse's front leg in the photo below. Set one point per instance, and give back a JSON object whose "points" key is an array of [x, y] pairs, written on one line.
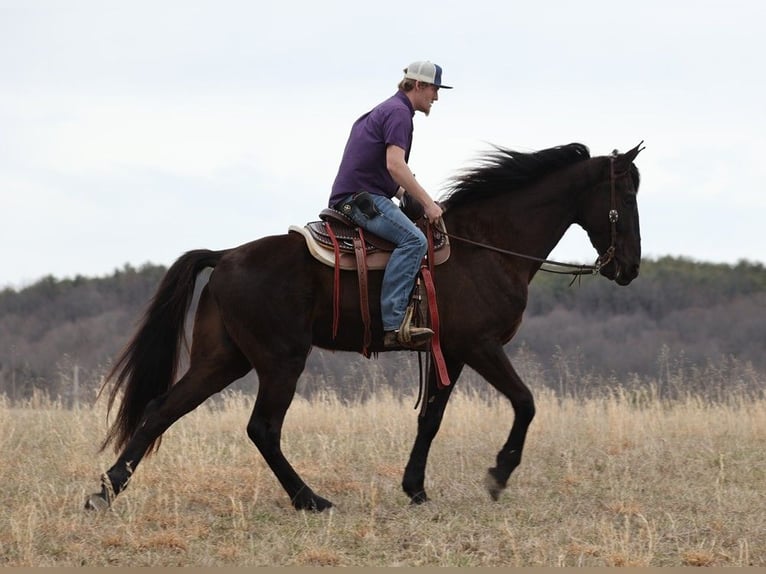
{"points": [[436, 399], [491, 362]]}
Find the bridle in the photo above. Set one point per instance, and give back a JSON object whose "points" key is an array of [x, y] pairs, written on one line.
{"points": [[614, 217], [568, 268]]}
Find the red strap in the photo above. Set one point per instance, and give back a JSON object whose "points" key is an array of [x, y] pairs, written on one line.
{"points": [[361, 264], [336, 281], [442, 376]]}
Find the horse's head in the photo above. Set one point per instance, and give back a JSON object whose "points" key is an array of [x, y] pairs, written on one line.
{"points": [[609, 214]]}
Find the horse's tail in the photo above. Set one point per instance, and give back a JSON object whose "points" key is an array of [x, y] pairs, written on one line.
{"points": [[147, 366]]}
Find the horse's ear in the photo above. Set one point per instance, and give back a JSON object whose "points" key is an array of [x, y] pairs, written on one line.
{"points": [[629, 156]]}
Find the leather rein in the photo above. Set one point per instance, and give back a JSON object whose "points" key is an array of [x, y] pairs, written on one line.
{"points": [[568, 268]]}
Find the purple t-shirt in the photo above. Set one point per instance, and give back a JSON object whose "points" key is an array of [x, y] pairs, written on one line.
{"points": [[363, 167]]}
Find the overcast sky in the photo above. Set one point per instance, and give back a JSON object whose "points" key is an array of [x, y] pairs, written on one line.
{"points": [[131, 132]]}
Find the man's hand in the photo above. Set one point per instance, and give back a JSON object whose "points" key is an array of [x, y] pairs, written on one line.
{"points": [[433, 212]]}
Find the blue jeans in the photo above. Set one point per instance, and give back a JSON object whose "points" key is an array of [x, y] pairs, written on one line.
{"points": [[392, 224]]}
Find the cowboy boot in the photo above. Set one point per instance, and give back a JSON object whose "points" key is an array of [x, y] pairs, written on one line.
{"points": [[420, 339], [408, 336]]}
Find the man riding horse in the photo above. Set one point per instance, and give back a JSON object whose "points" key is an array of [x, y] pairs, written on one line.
{"points": [[374, 170]]}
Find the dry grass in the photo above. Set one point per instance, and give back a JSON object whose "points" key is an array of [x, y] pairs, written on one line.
{"points": [[609, 482]]}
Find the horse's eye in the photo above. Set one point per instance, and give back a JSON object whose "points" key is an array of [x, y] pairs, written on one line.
{"points": [[629, 200]]}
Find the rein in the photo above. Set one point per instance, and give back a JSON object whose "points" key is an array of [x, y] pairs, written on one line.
{"points": [[568, 268]]}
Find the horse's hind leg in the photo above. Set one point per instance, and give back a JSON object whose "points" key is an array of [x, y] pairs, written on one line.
{"points": [[276, 388], [413, 481], [214, 364]]}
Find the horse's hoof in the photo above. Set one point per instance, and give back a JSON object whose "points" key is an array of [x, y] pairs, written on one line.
{"points": [[493, 485], [419, 498], [320, 504], [312, 503], [97, 501]]}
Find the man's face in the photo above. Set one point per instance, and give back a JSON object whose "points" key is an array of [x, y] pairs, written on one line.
{"points": [[425, 96]]}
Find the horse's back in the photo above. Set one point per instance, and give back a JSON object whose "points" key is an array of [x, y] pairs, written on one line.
{"points": [[269, 281], [262, 254]]}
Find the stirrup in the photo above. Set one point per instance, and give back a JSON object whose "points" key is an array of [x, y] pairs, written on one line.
{"points": [[409, 336], [420, 340], [407, 331]]}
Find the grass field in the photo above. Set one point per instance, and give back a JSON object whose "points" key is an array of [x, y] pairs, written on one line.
{"points": [[622, 480]]}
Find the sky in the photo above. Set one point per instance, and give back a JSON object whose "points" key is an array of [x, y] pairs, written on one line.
{"points": [[131, 132]]}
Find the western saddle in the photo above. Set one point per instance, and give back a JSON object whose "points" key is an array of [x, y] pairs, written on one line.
{"points": [[338, 242]]}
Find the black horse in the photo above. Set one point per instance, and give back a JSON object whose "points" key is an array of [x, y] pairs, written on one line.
{"points": [[268, 302]]}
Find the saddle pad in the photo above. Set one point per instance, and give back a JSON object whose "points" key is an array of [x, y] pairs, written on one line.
{"points": [[324, 255]]}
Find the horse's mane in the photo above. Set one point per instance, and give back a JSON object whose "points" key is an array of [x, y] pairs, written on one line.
{"points": [[504, 170]]}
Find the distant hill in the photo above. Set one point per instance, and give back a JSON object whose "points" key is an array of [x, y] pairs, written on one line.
{"points": [[679, 318]]}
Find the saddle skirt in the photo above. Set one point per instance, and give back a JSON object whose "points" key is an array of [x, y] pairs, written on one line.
{"points": [[378, 250]]}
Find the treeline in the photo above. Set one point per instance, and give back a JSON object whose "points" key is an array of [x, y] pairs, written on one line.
{"points": [[682, 325], [701, 311], [55, 329]]}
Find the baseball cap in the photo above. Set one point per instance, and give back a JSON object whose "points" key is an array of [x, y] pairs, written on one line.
{"points": [[425, 72]]}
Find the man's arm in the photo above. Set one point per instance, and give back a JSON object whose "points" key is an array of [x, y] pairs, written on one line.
{"points": [[402, 175]]}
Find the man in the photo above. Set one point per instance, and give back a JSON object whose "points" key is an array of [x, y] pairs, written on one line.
{"points": [[374, 170]]}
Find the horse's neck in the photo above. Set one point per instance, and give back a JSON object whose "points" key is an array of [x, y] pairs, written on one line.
{"points": [[529, 221]]}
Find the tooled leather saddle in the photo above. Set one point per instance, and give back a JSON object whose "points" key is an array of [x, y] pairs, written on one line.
{"points": [[321, 237]]}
